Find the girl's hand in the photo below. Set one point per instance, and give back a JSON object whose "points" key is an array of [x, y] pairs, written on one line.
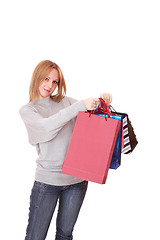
{"points": [[107, 98], [91, 103]]}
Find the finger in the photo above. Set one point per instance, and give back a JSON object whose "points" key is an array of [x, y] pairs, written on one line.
{"points": [[102, 96], [97, 102], [110, 98]]}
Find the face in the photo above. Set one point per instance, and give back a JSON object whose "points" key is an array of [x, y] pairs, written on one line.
{"points": [[49, 84]]}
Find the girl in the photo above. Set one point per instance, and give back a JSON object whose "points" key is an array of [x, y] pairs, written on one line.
{"points": [[49, 119]]}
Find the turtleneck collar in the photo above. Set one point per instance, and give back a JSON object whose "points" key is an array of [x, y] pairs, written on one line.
{"points": [[43, 100]]}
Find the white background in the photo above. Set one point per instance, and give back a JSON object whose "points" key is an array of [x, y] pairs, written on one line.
{"points": [[101, 46]]}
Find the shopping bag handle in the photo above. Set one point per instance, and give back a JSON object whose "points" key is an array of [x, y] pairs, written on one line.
{"points": [[112, 108], [104, 108]]}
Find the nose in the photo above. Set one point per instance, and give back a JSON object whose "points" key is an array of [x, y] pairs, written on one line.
{"points": [[49, 83]]}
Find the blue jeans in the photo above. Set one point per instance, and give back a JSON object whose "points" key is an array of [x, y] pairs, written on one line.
{"points": [[43, 201]]}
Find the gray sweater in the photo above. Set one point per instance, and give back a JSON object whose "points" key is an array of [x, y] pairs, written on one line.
{"points": [[49, 125]]}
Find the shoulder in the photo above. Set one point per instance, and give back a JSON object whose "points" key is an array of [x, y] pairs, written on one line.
{"points": [[70, 100], [27, 107]]}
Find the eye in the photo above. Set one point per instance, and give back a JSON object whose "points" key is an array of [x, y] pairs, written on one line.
{"points": [[55, 82], [46, 79]]}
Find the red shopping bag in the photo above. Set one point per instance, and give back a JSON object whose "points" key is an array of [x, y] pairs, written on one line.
{"points": [[91, 147]]}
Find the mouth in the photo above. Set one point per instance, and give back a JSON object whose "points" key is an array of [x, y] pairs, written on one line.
{"points": [[47, 90]]}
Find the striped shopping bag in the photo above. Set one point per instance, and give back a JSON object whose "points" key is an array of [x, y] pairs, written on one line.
{"points": [[129, 137]]}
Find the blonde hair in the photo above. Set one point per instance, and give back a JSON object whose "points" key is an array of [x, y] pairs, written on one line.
{"points": [[39, 74]]}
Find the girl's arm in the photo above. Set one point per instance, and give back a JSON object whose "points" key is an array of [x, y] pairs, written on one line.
{"points": [[42, 129]]}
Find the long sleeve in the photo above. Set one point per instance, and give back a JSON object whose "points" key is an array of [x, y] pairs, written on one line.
{"points": [[41, 129]]}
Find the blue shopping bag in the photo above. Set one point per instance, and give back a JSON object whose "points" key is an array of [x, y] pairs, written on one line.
{"points": [[116, 157]]}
